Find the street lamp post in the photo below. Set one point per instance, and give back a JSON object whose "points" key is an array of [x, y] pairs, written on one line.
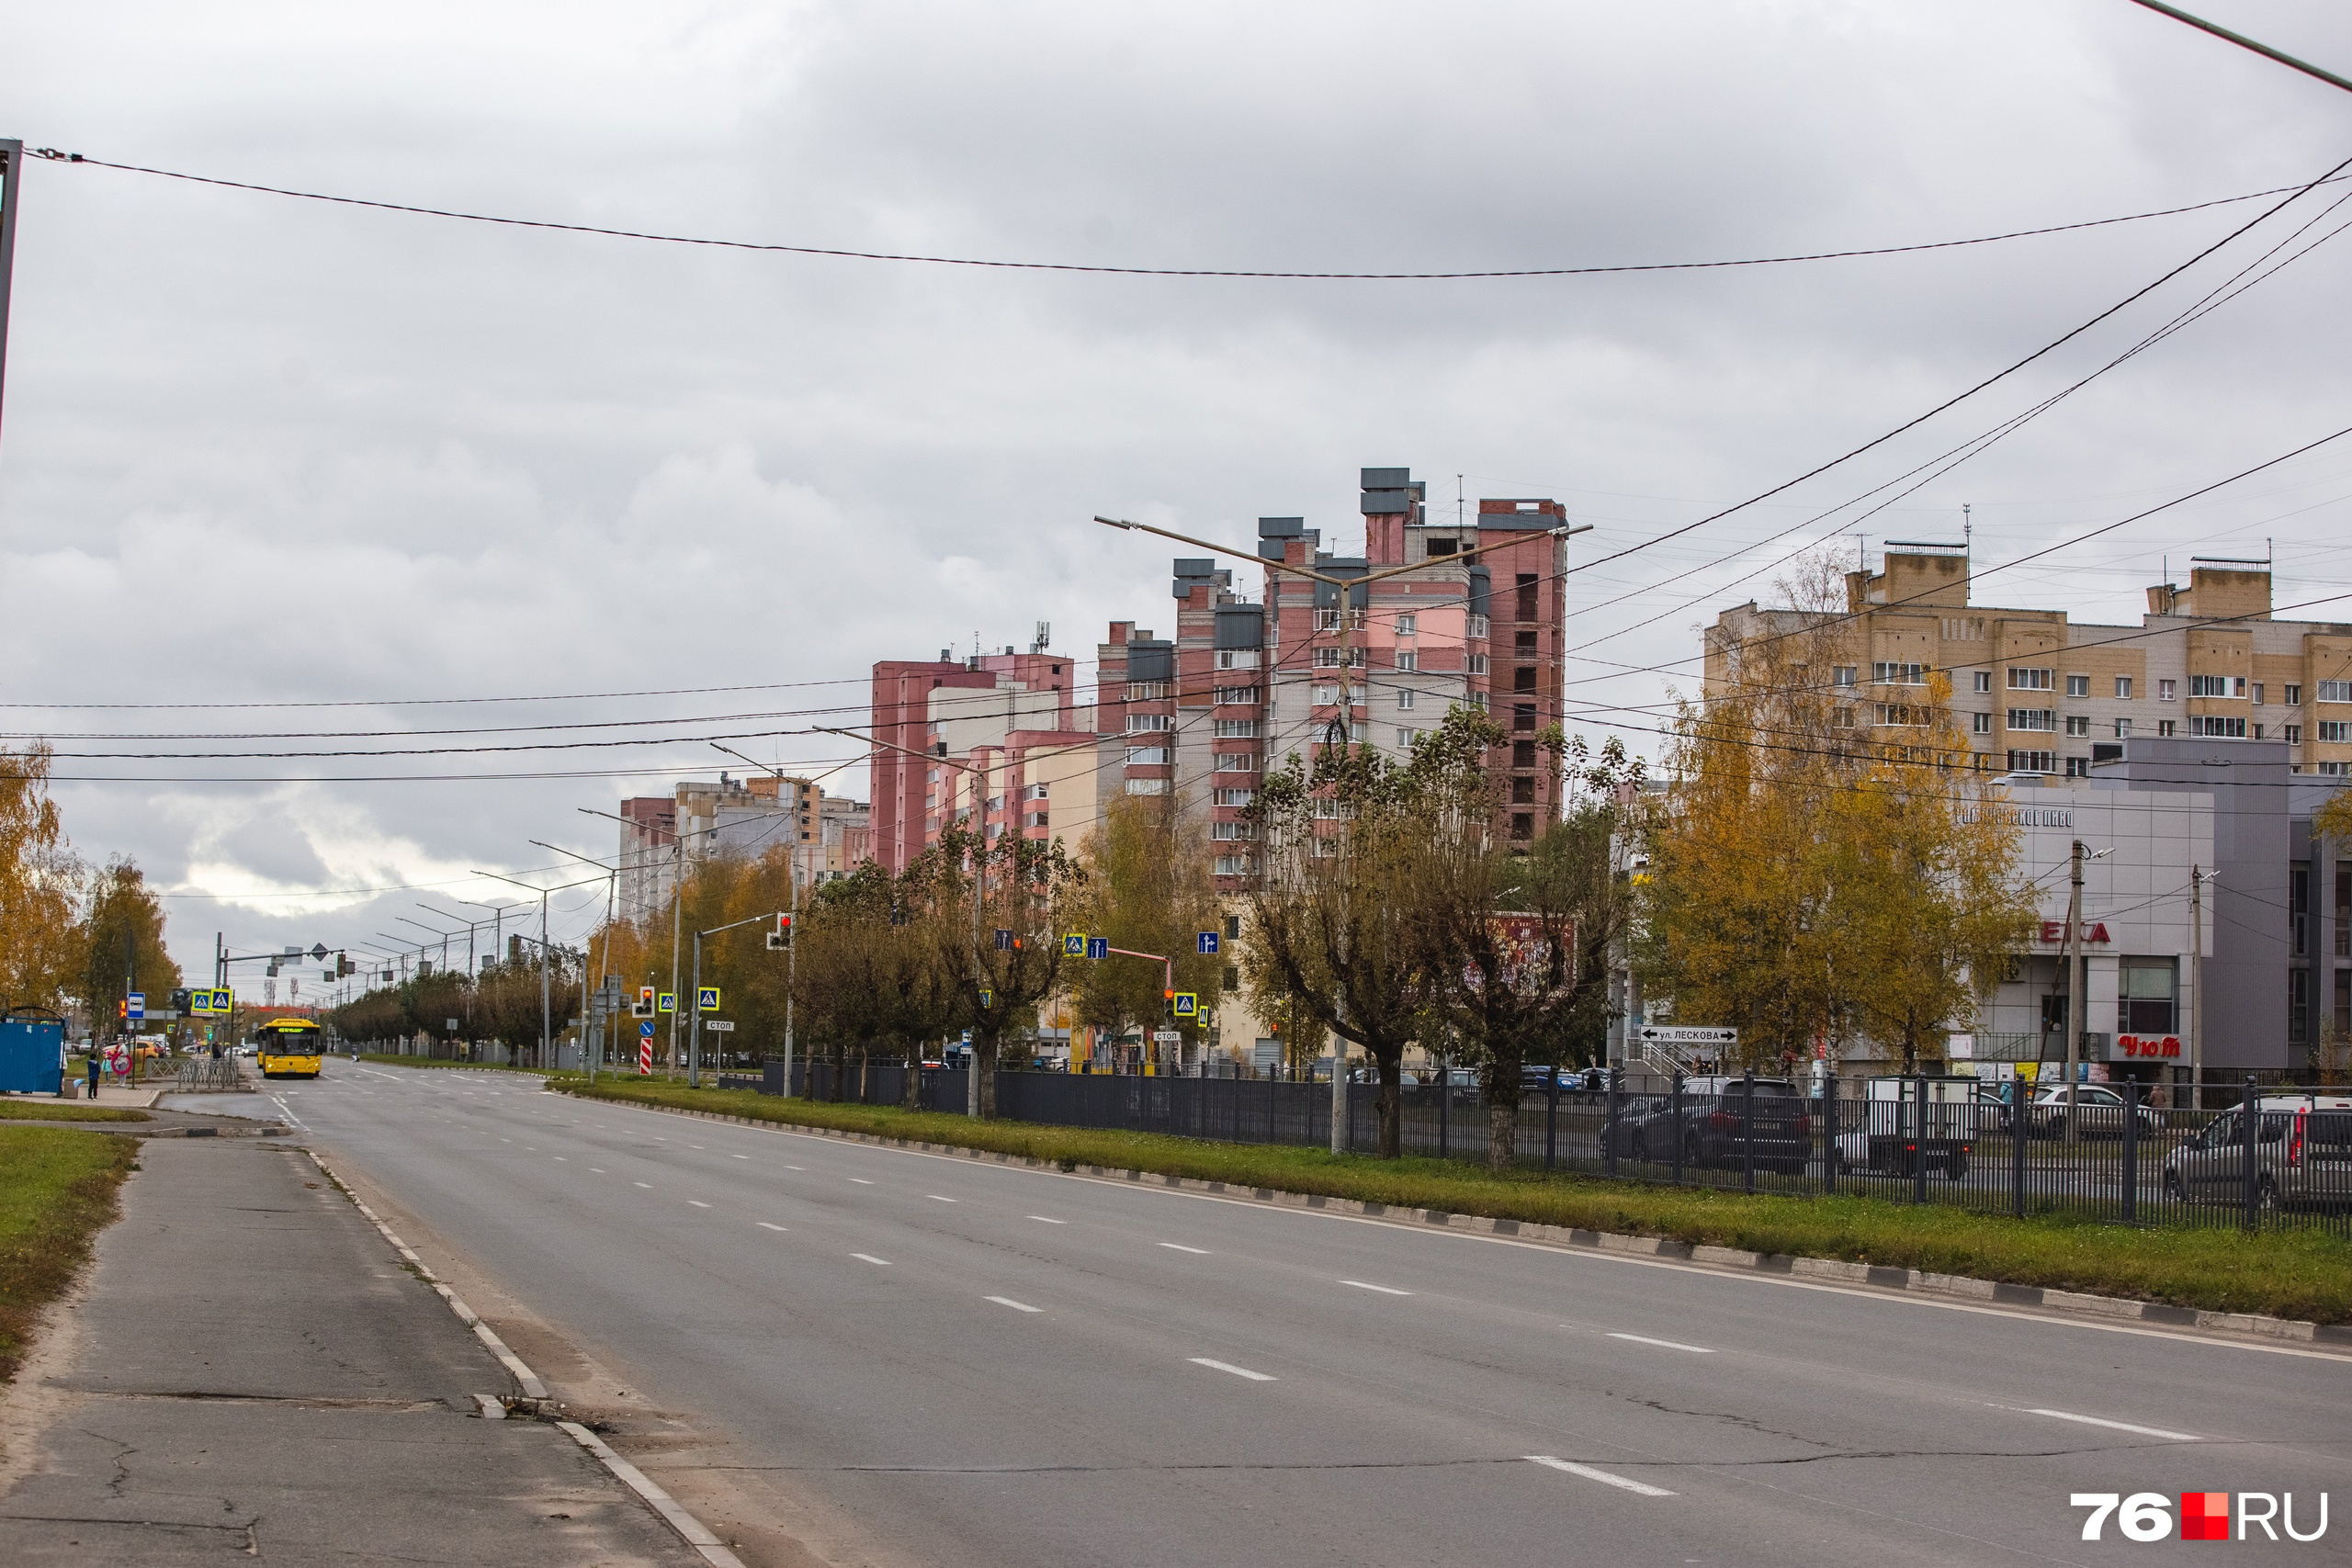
{"points": [[1346, 587], [547, 957], [612, 895], [980, 849]]}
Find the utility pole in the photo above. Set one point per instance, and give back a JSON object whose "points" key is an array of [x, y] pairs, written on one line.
{"points": [[2076, 1010], [12, 162], [2196, 984], [1345, 589]]}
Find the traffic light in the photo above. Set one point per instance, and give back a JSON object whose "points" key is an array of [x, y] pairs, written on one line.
{"points": [[122, 1009]]}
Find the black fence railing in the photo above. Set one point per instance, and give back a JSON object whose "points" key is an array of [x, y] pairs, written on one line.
{"points": [[2123, 1160]]}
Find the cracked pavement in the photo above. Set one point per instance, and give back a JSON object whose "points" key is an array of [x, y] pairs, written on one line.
{"points": [[249, 1373]]}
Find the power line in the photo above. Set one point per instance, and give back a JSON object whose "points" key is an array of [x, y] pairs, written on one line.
{"points": [[52, 155], [2201, 24]]}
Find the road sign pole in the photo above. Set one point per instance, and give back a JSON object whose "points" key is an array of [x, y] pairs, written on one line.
{"points": [[693, 1033]]}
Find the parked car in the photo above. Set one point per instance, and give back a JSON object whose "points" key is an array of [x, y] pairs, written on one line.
{"points": [[2304, 1156], [1717, 1126], [2097, 1108], [1905, 1122]]}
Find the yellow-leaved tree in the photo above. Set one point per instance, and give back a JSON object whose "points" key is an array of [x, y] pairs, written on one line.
{"points": [[41, 951]]}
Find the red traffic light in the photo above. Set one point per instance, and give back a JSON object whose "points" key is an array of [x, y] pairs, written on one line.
{"points": [[784, 922]]}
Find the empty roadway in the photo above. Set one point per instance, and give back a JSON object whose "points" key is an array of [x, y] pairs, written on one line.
{"points": [[990, 1365]]}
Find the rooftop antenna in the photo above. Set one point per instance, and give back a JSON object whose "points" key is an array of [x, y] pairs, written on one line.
{"points": [[1045, 636], [1966, 533], [1457, 500]]}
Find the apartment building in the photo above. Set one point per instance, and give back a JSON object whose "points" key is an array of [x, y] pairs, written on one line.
{"points": [[2039, 692], [1011, 715], [1244, 683], [733, 815]]}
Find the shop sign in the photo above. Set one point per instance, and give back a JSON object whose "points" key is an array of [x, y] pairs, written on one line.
{"points": [[2147, 1047], [2055, 930]]}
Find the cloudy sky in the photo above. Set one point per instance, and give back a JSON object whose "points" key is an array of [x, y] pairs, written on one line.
{"points": [[331, 469]]}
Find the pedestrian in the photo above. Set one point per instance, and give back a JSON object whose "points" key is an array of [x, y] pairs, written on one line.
{"points": [[94, 1069]]}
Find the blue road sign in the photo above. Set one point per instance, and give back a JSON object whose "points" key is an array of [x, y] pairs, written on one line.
{"points": [[706, 998], [645, 1027], [1074, 945], [138, 1004], [1208, 941], [1098, 947], [1188, 1004], [1004, 940]]}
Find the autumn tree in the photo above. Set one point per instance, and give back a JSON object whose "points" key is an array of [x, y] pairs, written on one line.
{"points": [[1329, 933], [1823, 867], [122, 936], [1027, 890], [40, 949], [1517, 939], [1149, 888]]}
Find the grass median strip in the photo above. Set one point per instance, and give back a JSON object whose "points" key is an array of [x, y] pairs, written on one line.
{"points": [[65, 1110], [2294, 1274], [57, 1191]]}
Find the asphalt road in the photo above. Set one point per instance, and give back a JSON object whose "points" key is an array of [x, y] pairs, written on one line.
{"points": [[988, 1366]]}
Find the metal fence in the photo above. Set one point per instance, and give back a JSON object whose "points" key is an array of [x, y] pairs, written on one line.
{"points": [[2124, 1160]]}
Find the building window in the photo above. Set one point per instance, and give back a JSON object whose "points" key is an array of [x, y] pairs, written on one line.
{"points": [[1523, 717], [2034, 718], [1886, 673], [1146, 756], [2078, 724], [2028, 680], [1325, 696], [2334, 770], [2163, 728], [1236, 729], [1407, 660], [1151, 691], [1982, 680], [1233, 829], [1980, 724], [2299, 1005], [1234, 696], [2299, 908], [1038, 792], [2257, 694], [1408, 624], [1526, 585], [1523, 644], [1140, 722], [2294, 696], [1522, 678], [1236, 658], [2078, 685], [1236, 762], [2033, 762], [2124, 687], [1909, 716], [1523, 753], [1235, 796], [2336, 691], [1233, 928], [2217, 685], [2123, 729], [2334, 731], [1034, 819], [1476, 628], [1843, 674], [2214, 725], [2293, 734], [1233, 865], [1233, 976], [1406, 738], [2078, 767], [1477, 664], [1841, 716], [2146, 991], [1522, 825], [1523, 791], [1404, 698], [1147, 786]]}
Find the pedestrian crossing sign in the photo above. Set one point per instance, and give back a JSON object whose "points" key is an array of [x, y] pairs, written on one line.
{"points": [[666, 1002], [706, 999], [1074, 945], [1187, 1004]]}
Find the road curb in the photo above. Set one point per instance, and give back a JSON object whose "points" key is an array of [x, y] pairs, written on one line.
{"points": [[1913, 1281], [691, 1530]]}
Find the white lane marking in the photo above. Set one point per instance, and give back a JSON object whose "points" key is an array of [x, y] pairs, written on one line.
{"points": [[1383, 1289], [559, 1159], [869, 1257], [1178, 1246], [698, 1203], [1644, 1487], [1043, 1220], [647, 1185], [766, 1226], [2117, 1426], [937, 1199], [1229, 1367], [1009, 1302], [600, 1170], [748, 1156], [803, 1166], [1664, 1343], [861, 1181]]}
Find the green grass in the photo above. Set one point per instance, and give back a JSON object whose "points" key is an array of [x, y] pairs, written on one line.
{"points": [[57, 1191], [2296, 1274], [13, 1109]]}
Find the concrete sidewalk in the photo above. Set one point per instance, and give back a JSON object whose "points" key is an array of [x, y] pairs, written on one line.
{"points": [[250, 1372]]}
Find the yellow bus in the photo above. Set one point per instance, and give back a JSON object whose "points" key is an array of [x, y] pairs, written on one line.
{"points": [[288, 1048]]}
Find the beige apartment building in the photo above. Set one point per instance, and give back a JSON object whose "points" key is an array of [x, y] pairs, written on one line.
{"points": [[2039, 692]]}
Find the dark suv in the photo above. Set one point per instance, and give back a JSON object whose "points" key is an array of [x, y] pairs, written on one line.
{"points": [[1718, 1129]]}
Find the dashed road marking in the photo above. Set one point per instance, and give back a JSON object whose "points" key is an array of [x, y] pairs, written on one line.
{"points": [[1229, 1367], [869, 1257], [1604, 1477], [1664, 1343], [1017, 1306], [2117, 1426], [1383, 1289], [1178, 1246]]}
